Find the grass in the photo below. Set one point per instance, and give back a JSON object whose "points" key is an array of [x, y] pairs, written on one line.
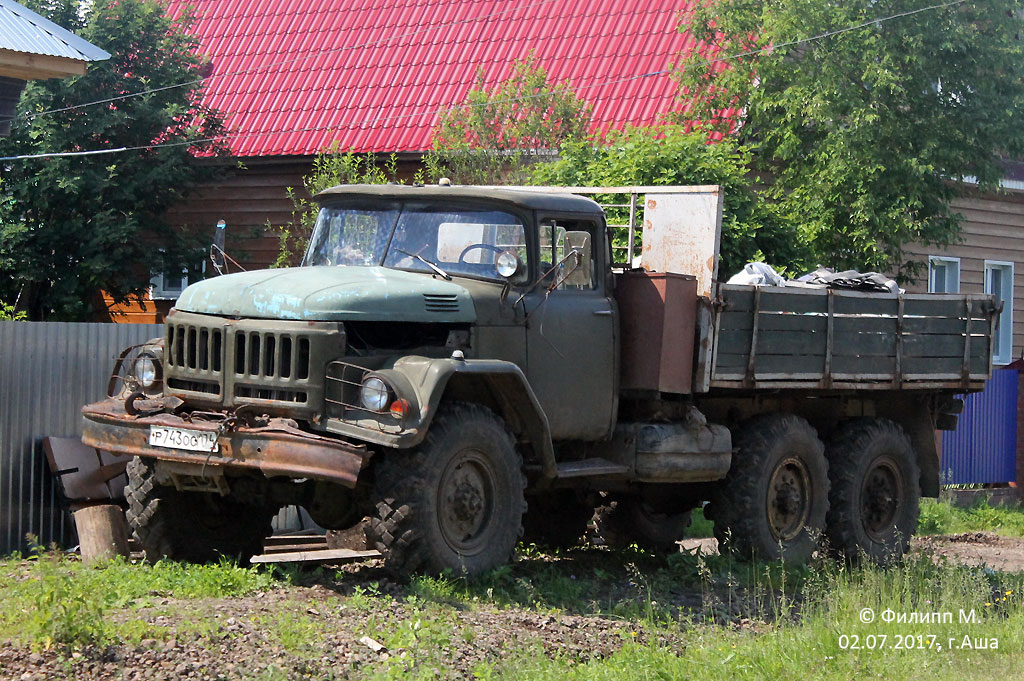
{"points": [[699, 525], [49, 600], [942, 517], [812, 638], [684, 616]]}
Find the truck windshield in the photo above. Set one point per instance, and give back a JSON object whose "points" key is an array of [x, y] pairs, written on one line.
{"points": [[459, 240]]}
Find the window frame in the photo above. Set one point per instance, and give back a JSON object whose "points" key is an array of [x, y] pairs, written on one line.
{"points": [[1004, 328], [595, 227], [947, 260], [158, 290]]}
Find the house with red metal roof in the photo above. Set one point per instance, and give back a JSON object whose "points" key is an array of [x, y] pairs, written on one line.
{"points": [[294, 78]]}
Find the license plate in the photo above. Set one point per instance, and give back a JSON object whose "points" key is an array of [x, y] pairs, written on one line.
{"points": [[182, 438]]}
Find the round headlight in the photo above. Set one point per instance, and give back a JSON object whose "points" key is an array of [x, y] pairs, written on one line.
{"points": [[374, 394], [507, 264], [145, 370]]}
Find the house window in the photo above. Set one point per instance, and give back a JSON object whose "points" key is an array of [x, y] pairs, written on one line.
{"points": [[943, 274], [168, 286], [999, 283]]}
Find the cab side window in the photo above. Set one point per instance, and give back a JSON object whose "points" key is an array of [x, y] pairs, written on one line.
{"points": [[567, 257]]}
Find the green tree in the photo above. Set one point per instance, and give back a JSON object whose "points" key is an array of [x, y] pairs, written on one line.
{"points": [[670, 155], [865, 132], [71, 226], [500, 132]]}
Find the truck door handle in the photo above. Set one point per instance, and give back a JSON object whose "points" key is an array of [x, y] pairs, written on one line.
{"points": [[603, 313]]}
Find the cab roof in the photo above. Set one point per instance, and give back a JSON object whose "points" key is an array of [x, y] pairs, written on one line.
{"points": [[521, 198]]}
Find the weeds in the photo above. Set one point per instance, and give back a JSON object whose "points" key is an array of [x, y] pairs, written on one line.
{"points": [[295, 632], [60, 612], [942, 517], [51, 600]]}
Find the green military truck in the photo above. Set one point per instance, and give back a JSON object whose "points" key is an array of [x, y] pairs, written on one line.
{"points": [[462, 364]]}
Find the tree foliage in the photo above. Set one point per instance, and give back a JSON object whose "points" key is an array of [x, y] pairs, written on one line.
{"points": [[670, 155], [500, 132], [864, 132], [70, 226], [330, 168]]}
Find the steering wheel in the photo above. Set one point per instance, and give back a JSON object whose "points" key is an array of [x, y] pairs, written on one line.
{"points": [[487, 247]]}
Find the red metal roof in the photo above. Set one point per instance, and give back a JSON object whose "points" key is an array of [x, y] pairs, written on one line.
{"points": [[294, 77]]}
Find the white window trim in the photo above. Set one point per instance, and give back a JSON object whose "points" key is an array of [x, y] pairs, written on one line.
{"points": [[158, 292], [1005, 327], [945, 259]]}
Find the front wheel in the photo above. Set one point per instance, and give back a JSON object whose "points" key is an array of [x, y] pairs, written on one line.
{"points": [[876, 490], [772, 503], [456, 501], [198, 527]]}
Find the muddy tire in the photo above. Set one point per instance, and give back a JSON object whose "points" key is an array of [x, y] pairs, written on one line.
{"points": [[876, 492], [558, 519], [191, 526], [455, 503], [773, 502], [631, 521]]}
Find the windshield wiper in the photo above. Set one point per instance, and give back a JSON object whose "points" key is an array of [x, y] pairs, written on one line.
{"points": [[426, 262]]}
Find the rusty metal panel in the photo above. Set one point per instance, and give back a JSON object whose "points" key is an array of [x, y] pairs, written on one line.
{"points": [[983, 448], [682, 234], [658, 313], [48, 370]]}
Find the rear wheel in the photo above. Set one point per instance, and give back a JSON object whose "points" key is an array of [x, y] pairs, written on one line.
{"points": [[876, 494], [197, 527], [773, 502], [455, 502]]}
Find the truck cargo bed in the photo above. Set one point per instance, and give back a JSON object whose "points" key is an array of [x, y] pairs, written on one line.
{"points": [[773, 337]]}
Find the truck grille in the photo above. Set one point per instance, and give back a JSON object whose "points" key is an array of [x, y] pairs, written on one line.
{"points": [[270, 355], [233, 362], [198, 353]]}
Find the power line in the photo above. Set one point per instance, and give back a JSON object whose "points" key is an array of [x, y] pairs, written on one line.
{"points": [[284, 62], [434, 112], [829, 34]]}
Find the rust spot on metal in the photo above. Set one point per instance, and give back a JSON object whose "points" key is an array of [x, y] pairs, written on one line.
{"points": [[277, 448]]}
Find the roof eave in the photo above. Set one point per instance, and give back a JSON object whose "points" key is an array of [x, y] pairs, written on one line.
{"points": [[38, 66], [36, 22]]}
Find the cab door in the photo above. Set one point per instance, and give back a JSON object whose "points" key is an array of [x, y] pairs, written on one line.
{"points": [[572, 330]]}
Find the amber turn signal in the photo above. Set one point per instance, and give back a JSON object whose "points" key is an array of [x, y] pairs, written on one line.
{"points": [[400, 408]]}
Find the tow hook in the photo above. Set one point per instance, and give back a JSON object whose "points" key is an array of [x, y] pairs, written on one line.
{"points": [[150, 407]]}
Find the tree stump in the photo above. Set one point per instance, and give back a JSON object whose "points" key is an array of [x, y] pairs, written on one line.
{"points": [[102, 532]]}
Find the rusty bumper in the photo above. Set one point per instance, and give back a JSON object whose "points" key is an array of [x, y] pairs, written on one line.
{"points": [[275, 449]]}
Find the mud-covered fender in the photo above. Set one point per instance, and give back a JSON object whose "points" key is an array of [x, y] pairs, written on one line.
{"points": [[498, 385]]}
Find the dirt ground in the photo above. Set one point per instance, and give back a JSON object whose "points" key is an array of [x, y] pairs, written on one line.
{"points": [[978, 549], [260, 636]]}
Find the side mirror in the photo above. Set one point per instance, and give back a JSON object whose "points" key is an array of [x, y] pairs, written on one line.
{"points": [[580, 275]]}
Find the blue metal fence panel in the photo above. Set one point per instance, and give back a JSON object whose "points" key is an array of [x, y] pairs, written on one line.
{"points": [[983, 448]]}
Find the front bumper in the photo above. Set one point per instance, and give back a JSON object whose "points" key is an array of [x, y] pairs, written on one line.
{"points": [[275, 449]]}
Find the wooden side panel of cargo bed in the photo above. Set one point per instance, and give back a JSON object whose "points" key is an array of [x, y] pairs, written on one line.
{"points": [[833, 339]]}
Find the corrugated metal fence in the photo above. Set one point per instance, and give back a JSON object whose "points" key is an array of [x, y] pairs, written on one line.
{"points": [[983, 448], [48, 370]]}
